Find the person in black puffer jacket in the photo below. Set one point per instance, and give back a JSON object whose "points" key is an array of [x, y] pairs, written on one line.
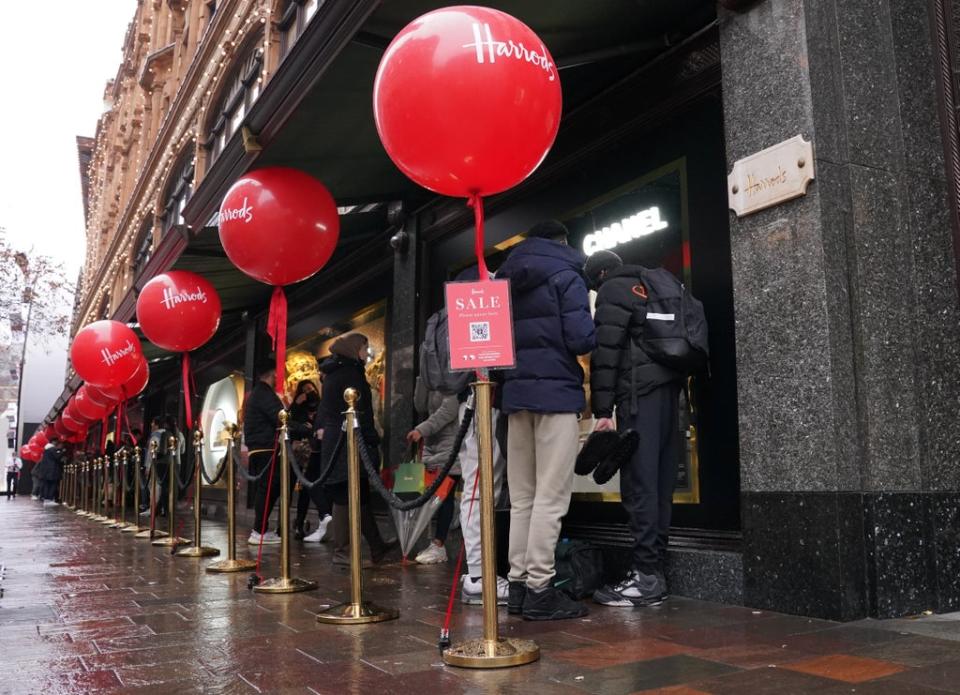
{"points": [[644, 394], [343, 369], [543, 397]]}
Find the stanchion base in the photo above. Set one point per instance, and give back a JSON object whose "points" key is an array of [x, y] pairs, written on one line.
{"points": [[118, 524], [223, 566], [108, 521], [194, 551], [279, 585], [130, 528], [170, 541], [476, 653], [145, 533], [97, 517], [83, 512], [357, 614]]}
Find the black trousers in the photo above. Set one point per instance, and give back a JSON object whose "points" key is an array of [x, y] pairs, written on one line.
{"points": [[316, 494], [49, 489], [648, 479], [12, 479]]}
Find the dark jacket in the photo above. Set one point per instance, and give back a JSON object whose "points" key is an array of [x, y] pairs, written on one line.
{"points": [[619, 369], [50, 466], [341, 373], [552, 325], [303, 417], [261, 418]]}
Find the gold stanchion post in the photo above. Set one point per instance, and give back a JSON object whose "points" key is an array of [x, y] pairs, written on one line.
{"points": [[97, 489], [231, 564], [108, 462], [134, 526], [82, 511], [118, 457], [357, 611], [491, 651], [197, 549], [173, 485], [284, 584], [151, 531]]}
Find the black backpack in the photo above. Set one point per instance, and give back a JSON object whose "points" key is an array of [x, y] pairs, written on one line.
{"points": [[670, 326], [579, 568]]}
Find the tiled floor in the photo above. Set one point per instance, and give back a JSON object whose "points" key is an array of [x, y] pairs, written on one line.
{"points": [[86, 610]]}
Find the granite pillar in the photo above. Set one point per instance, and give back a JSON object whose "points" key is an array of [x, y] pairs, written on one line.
{"points": [[847, 318], [401, 342]]}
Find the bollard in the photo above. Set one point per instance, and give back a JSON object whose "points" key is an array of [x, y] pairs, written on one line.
{"points": [[197, 549], [491, 651], [82, 511], [284, 584], [151, 531], [357, 611], [119, 456], [109, 464], [173, 485], [134, 526], [231, 564]]}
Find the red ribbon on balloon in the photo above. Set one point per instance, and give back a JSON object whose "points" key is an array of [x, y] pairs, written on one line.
{"points": [[277, 330]]}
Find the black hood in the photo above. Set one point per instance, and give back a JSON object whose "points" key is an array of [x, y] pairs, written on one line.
{"points": [[337, 362], [534, 261]]}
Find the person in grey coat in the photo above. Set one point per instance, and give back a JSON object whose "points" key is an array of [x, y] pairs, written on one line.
{"points": [[438, 434]]}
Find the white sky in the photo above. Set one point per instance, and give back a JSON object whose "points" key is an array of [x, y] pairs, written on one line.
{"points": [[57, 58]]}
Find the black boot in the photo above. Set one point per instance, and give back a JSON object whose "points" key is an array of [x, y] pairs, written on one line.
{"points": [[551, 604]]}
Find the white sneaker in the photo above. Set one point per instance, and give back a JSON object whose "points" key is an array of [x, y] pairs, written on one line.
{"points": [[50, 503], [433, 555], [472, 592], [34, 497], [318, 535], [269, 538]]}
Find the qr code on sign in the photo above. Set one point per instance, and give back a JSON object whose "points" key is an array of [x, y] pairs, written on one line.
{"points": [[479, 331]]}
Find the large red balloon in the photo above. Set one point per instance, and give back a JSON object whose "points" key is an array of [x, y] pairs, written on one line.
{"points": [[178, 310], [467, 101], [90, 408], [61, 431], [108, 397], [71, 424], [106, 353], [40, 438], [138, 382], [71, 409], [279, 225]]}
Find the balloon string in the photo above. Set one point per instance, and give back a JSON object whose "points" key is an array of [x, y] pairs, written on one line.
{"points": [[476, 202], [119, 432], [185, 374], [103, 434], [277, 330]]}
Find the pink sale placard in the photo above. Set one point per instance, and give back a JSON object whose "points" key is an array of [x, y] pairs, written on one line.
{"points": [[480, 325]]}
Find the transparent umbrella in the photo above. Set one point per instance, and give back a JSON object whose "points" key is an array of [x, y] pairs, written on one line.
{"points": [[412, 523]]}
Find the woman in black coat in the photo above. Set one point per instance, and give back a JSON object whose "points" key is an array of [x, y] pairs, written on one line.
{"points": [[343, 369]]}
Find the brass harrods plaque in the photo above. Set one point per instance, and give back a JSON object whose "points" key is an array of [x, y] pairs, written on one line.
{"points": [[770, 177]]}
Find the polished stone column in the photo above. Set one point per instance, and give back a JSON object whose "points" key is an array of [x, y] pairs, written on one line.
{"points": [[847, 319]]}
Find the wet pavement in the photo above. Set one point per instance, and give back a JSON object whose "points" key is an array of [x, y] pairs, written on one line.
{"points": [[85, 609]]}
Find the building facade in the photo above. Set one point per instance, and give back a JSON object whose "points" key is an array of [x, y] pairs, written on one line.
{"points": [[820, 475]]}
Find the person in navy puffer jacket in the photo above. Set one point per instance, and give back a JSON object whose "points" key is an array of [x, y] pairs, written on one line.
{"points": [[543, 397]]}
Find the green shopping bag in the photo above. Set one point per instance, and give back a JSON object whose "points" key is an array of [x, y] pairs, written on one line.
{"points": [[409, 474]]}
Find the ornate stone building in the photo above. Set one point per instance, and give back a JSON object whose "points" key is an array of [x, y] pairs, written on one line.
{"points": [[190, 70]]}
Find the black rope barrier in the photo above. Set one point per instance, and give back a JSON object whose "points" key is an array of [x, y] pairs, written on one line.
{"points": [[221, 467], [388, 495], [309, 484], [182, 485], [247, 476]]}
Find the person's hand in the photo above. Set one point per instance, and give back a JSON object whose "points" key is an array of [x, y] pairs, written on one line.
{"points": [[301, 398], [318, 434], [604, 424], [414, 436]]}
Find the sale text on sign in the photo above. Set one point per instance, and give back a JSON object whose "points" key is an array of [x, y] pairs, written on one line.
{"points": [[480, 325]]}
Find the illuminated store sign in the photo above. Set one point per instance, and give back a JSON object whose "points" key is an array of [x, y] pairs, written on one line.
{"points": [[641, 224]]}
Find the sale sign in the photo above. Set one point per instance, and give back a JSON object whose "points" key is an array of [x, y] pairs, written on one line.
{"points": [[480, 325]]}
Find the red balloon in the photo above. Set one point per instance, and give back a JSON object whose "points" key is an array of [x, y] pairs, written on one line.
{"points": [[108, 397], [70, 423], [467, 100], [40, 438], [60, 430], [105, 353], [48, 433], [26, 453], [91, 410], [178, 310], [74, 412], [138, 382], [279, 225]]}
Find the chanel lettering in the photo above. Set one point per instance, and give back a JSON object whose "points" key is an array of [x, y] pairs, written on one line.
{"points": [[245, 213], [171, 300], [489, 49], [111, 358]]}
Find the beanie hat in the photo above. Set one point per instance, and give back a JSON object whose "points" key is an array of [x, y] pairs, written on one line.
{"points": [[348, 345], [550, 229], [597, 263]]}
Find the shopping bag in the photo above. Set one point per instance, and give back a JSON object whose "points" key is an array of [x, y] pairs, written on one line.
{"points": [[409, 475]]}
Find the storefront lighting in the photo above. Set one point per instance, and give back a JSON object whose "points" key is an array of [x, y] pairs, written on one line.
{"points": [[641, 224]]}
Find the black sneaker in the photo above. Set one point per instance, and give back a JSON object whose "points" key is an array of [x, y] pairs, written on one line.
{"points": [[551, 604], [637, 589], [517, 592]]}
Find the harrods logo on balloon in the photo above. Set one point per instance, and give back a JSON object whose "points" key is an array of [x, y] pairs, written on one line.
{"points": [[244, 212], [172, 299], [111, 358], [484, 43]]}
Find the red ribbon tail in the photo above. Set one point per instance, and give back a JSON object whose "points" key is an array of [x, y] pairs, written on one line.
{"points": [[476, 202], [277, 330], [185, 373]]}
